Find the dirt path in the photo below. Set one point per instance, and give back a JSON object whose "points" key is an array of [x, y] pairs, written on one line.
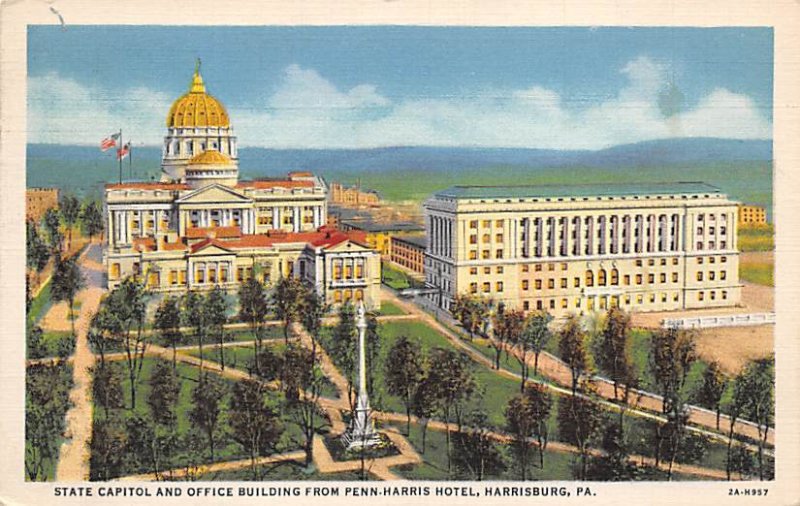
{"points": [[73, 462], [554, 369]]}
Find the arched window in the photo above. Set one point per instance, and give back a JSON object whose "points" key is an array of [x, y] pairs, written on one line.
{"points": [[601, 278], [589, 278], [614, 276]]}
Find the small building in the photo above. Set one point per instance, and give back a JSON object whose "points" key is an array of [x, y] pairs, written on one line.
{"points": [[751, 214], [352, 196], [409, 251], [379, 234], [38, 201]]}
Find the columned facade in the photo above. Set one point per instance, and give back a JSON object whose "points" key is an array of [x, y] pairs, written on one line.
{"points": [[641, 247]]}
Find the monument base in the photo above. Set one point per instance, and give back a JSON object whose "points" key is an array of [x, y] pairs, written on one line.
{"points": [[355, 441]]}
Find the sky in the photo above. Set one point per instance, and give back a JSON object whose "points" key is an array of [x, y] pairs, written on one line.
{"points": [[365, 87]]}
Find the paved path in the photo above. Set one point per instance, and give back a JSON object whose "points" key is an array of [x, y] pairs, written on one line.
{"points": [[73, 461], [554, 369]]}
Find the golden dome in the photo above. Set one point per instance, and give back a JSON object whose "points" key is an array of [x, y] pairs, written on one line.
{"points": [[197, 108], [211, 157]]}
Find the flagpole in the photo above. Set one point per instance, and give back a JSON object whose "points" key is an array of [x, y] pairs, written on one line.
{"points": [[130, 161], [119, 158]]}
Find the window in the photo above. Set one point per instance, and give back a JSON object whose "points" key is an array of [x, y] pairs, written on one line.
{"points": [[589, 278], [700, 261], [700, 276], [114, 271], [487, 223], [473, 239], [473, 255], [551, 283], [500, 269], [337, 296], [538, 284], [498, 223], [601, 278], [638, 263], [474, 224], [674, 277], [552, 303], [652, 298], [473, 288], [173, 277], [638, 279], [614, 277], [499, 286], [525, 268], [663, 261], [473, 270], [487, 287], [699, 245], [639, 299], [487, 270], [525, 284], [498, 238], [564, 303], [359, 271], [700, 295], [182, 277], [712, 275], [485, 254], [564, 266], [539, 305], [499, 253], [538, 268], [627, 300], [711, 245], [675, 261], [487, 238], [651, 278], [723, 275], [722, 245], [337, 271], [526, 305], [724, 295], [577, 282], [699, 230], [663, 277], [563, 282], [626, 280], [713, 295], [551, 267], [711, 260], [651, 262]]}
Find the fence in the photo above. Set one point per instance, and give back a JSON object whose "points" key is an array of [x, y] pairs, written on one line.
{"points": [[705, 322]]}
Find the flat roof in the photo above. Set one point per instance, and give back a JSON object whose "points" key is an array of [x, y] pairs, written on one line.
{"points": [[417, 240], [374, 226], [577, 190]]}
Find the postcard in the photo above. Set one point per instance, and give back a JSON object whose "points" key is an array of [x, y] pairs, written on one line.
{"points": [[479, 257]]}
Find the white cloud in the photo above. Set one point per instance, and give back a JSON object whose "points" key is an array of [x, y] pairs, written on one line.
{"points": [[307, 110]]}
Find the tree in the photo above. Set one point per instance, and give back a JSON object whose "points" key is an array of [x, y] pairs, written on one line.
{"points": [[36, 346], [37, 251], [168, 323], [614, 463], [710, 390], [254, 423], [579, 421], [572, 350], [67, 281], [165, 388], [194, 315], [672, 353], [526, 417], [452, 381], [470, 311], [205, 413], [613, 350], [125, 314], [343, 349], [253, 309], [216, 312], [474, 452], [286, 301], [107, 381], [107, 449], [92, 219], [46, 402], [534, 337], [508, 326], [313, 310], [302, 382], [754, 398], [52, 223], [70, 212], [424, 405], [403, 372]]}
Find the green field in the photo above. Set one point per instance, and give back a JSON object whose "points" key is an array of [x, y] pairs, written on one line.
{"points": [[389, 308], [756, 238], [395, 278]]}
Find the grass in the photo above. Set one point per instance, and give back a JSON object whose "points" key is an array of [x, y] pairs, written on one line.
{"points": [[284, 471], [51, 341], [756, 238], [397, 279], [40, 304], [760, 273], [389, 308]]}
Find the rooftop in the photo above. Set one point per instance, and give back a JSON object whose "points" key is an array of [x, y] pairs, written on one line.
{"points": [[577, 190], [374, 226], [417, 240]]}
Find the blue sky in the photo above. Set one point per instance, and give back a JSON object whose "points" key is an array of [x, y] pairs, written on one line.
{"points": [[329, 87]]}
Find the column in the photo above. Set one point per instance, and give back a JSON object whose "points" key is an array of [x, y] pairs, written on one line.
{"points": [[276, 218], [590, 235], [127, 225]]}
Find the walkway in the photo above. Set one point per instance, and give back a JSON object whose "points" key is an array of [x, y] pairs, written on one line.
{"points": [[73, 462]]}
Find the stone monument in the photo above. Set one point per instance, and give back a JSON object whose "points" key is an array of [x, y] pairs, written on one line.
{"points": [[361, 433]]}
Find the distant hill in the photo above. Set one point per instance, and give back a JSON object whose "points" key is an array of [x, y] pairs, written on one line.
{"points": [[409, 172]]}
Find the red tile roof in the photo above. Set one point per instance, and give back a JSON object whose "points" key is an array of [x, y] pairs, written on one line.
{"points": [[219, 232]]}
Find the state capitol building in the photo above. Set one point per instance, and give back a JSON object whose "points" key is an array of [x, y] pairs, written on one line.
{"points": [[200, 226]]}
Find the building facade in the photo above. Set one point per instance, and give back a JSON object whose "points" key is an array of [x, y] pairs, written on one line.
{"points": [[379, 234], [38, 201], [202, 227], [581, 248], [409, 251], [751, 214], [352, 196]]}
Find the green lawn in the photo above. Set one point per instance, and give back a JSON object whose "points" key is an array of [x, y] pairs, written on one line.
{"points": [[397, 279], [756, 238], [389, 308], [284, 471], [760, 273], [40, 304]]}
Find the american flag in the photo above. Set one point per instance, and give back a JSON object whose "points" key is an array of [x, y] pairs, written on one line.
{"points": [[109, 142], [123, 151]]}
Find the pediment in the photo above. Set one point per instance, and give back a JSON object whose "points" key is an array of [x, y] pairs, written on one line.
{"points": [[211, 249], [347, 246], [215, 193]]}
